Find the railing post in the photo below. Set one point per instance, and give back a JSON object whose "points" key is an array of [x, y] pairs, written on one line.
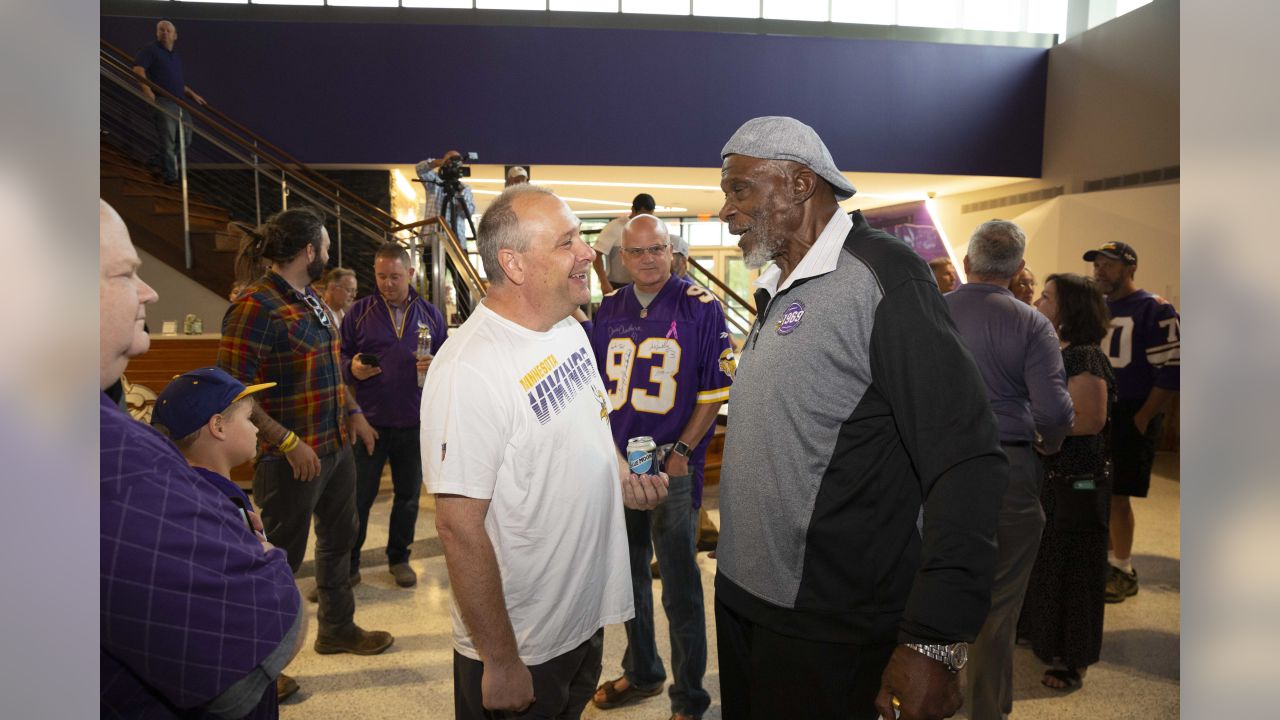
{"points": [[182, 169], [338, 209], [284, 191], [437, 270], [257, 186]]}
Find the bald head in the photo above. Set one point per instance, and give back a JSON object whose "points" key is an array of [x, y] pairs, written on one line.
{"points": [[122, 298]]}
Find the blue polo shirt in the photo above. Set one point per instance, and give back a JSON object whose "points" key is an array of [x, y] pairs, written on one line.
{"points": [[164, 67]]}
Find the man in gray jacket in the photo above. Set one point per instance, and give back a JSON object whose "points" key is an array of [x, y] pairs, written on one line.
{"points": [[859, 513]]}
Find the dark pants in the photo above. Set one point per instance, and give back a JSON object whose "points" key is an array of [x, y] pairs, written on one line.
{"points": [[400, 447], [1132, 452], [671, 531], [166, 119], [766, 675], [287, 507], [990, 668], [562, 685]]}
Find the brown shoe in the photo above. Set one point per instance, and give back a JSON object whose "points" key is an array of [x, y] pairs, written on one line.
{"points": [[353, 640], [313, 595], [608, 695], [285, 686], [682, 716], [404, 575]]}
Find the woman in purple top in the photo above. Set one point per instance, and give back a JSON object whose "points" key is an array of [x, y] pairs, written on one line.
{"points": [[1063, 610]]}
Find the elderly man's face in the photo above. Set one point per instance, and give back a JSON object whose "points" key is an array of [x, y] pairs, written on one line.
{"points": [[341, 293], [756, 207], [122, 298], [167, 34], [646, 253]]}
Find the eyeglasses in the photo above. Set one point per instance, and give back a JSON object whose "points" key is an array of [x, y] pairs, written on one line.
{"points": [[316, 308], [641, 252]]}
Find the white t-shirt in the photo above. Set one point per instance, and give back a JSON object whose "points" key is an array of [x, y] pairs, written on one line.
{"points": [[611, 234], [521, 418]]}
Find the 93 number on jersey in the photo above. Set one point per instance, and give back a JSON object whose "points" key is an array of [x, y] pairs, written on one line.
{"points": [[620, 361]]}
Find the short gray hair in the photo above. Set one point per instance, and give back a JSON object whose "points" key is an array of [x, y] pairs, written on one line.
{"points": [[995, 249], [500, 229]]}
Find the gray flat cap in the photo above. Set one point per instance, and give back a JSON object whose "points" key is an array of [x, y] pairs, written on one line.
{"points": [[783, 138]]}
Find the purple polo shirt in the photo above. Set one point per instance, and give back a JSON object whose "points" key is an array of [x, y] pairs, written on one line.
{"points": [[164, 67], [1020, 359], [390, 398], [196, 620]]}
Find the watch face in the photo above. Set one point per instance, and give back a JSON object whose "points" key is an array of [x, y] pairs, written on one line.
{"points": [[959, 655]]}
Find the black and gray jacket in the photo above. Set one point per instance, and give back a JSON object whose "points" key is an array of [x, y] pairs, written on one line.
{"points": [[862, 473]]}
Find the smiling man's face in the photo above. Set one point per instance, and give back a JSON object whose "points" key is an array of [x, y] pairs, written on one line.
{"points": [[756, 207]]}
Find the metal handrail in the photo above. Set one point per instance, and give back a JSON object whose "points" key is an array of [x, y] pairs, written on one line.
{"points": [[724, 288], [453, 247], [111, 57]]}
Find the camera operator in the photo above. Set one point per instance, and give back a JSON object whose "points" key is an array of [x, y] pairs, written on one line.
{"points": [[440, 176]]}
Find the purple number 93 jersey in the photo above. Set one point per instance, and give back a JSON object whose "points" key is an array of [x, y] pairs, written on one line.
{"points": [[659, 367]]}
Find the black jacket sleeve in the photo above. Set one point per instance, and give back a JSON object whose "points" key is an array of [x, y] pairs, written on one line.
{"points": [[944, 419]]}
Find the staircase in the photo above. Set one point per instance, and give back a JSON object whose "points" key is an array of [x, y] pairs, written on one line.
{"points": [[153, 213]]}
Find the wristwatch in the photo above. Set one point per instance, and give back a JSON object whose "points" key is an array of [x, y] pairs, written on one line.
{"points": [[954, 656], [681, 448]]}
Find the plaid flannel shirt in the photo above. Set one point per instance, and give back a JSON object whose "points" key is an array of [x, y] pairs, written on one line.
{"points": [[271, 334]]}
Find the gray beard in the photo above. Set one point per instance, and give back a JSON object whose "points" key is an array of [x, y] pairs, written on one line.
{"points": [[763, 251]]}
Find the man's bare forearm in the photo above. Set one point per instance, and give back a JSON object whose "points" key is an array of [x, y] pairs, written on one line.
{"points": [[271, 431], [703, 417], [1157, 401], [474, 576]]}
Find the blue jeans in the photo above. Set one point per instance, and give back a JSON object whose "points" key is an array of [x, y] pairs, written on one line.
{"points": [[167, 127], [671, 531], [400, 446]]}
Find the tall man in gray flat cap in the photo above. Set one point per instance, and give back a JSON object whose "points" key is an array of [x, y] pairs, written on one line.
{"points": [[859, 514]]}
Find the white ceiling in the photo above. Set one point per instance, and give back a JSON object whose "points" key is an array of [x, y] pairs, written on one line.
{"points": [[606, 191]]}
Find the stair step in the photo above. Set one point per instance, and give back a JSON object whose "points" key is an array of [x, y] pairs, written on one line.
{"points": [[195, 208], [121, 170], [146, 188]]}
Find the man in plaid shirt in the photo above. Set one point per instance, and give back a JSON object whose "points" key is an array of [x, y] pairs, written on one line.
{"points": [[279, 331]]}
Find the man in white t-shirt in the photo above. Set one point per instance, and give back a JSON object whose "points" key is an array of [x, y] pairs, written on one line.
{"points": [[529, 488], [609, 244]]}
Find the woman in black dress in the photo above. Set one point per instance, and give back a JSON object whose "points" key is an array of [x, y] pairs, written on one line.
{"points": [[1063, 610]]}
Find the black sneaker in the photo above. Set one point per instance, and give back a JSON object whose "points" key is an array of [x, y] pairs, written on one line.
{"points": [[1121, 585]]}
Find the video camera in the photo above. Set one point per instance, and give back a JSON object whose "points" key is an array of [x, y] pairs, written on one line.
{"points": [[454, 169]]}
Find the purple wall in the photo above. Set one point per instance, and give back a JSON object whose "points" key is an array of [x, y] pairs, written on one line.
{"points": [[373, 93]]}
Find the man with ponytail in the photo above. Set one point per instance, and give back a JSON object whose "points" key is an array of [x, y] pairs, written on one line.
{"points": [[279, 331]]}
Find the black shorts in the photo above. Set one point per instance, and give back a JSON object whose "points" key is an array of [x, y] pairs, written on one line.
{"points": [[1132, 452], [562, 685]]}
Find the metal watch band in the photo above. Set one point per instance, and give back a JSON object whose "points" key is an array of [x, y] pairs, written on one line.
{"points": [[941, 653]]}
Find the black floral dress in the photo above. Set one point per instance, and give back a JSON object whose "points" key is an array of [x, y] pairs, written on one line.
{"points": [[1063, 611]]}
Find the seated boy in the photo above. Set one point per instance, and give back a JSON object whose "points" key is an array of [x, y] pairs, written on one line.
{"points": [[206, 414]]}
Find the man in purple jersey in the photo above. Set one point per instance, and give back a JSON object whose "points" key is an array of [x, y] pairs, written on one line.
{"points": [[1144, 348], [663, 349]]}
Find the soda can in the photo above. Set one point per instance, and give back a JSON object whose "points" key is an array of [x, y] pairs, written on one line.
{"points": [[640, 454]]}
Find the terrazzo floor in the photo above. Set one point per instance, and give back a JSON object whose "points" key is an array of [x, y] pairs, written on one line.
{"points": [[1138, 676]]}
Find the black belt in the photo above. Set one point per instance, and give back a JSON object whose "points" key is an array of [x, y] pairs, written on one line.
{"points": [[1015, 443]]}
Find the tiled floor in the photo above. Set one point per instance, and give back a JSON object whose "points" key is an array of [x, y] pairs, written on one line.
{"points": [[1137, 677]]}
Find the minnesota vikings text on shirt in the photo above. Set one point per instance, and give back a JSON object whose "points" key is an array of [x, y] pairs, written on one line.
{"points": [[552, 385]]}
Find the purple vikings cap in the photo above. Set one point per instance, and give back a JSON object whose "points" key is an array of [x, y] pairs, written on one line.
{"points": [[187, 403]]}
